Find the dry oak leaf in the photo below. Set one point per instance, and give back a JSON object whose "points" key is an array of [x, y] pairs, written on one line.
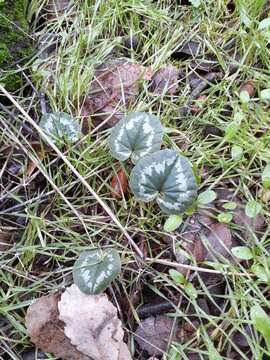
{"points": [[47, 331], [114, 88], [92, 325], [153, 334]]}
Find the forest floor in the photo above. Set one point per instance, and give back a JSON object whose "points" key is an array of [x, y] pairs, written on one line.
{"points": [[202, 67]]}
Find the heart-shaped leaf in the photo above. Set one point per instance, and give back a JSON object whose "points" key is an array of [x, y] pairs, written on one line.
{"points": [[136, 136], [60, 126], [167, 177], [96, 269]]}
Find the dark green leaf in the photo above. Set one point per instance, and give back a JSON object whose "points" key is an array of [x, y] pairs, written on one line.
{"points": [[96, 269], [60, 126], [136, 136], [167, 177]]}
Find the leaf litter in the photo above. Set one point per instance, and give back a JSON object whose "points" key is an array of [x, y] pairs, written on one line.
{"points": [[114, 88], [73, 325]]}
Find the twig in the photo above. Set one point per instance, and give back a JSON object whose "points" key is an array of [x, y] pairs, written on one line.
{"points": [[195, 268]]}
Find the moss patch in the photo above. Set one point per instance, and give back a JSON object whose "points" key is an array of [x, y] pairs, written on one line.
{"points": [[15, 45]]}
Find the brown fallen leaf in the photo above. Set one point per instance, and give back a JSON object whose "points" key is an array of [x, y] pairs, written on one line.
{"points": [[77, 326], [119, 184], [204, 238], [248, 87], [114, 88], [47, 331], [92, 325], [165, 81], [220, 242], [153, 334]]}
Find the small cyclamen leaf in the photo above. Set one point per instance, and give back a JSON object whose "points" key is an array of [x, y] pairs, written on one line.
{"points": [[173, 222], [206, 197], [167, 177], [253, 208], [136, 136], [96, 269], [242, 252], [60, 126]]}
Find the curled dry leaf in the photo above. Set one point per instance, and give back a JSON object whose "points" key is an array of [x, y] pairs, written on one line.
{"points": [[153, 334], [119, 184], [47, 331], [114, 88], [165, 81], [92, 325]]}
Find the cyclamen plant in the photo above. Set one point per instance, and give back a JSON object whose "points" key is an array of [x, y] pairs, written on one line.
{"points": [[161, 175]]}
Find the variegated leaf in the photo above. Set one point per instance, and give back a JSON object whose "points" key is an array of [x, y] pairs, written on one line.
{"points": [[60, 126], [167, 177], [136, 136], [96, 269]]}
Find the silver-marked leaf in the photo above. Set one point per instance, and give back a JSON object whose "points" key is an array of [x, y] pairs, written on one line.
{"points": [[96, 269], [167, 177], [136, 136], [60, 126]]}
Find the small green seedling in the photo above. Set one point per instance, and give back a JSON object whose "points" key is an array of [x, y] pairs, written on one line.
{"points": [[253, 208], [60, 126], [260, 272], [180, 280], [96, 269], [136, 136], [225, 217], [173, 222], [206, 197], [167, 177], [242, 252]]}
